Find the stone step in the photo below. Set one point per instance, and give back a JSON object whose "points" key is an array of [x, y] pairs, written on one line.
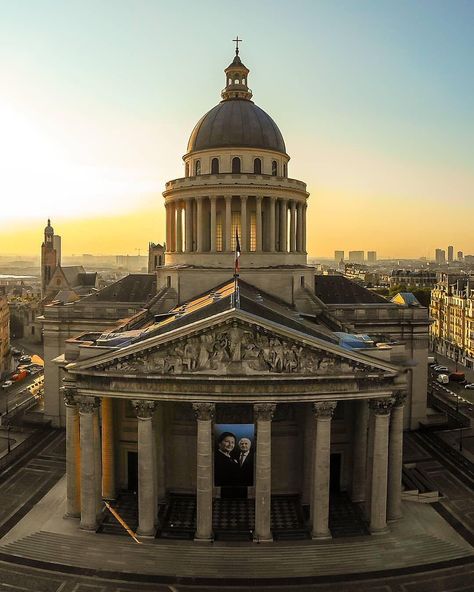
{"points": [[188, 559]]}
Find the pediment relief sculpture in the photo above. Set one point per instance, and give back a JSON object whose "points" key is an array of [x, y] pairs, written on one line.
{"points": [[235, 350]]}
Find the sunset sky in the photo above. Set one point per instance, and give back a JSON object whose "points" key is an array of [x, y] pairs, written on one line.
{"points": [[374, 100]]}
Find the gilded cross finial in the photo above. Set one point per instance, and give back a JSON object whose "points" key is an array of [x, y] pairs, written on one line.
{"points": [[237, 41]]}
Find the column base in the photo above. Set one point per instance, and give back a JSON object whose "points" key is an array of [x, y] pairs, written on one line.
{"points": [[146, 536], [89, 527], [376, 531], [204, 539], [263, 539], [321, 536], [72, 515], [394, 518]]}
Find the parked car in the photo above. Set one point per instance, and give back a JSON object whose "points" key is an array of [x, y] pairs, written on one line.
{"points": [[8, 383], [457, 376], [469, 385], [16, 352], [20, 375], [443, 378], [441, 369], [25, 359]]}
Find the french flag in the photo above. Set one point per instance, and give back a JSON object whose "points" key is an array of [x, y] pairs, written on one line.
{"points": [[237, 254]]}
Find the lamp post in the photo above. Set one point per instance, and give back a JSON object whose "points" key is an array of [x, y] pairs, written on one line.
{"points": [[8, 439]]}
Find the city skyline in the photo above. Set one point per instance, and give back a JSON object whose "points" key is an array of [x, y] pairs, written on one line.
{"points": [[374, 107]]}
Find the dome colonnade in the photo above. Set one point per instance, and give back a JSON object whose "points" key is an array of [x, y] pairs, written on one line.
{"points": [[236, 184]]}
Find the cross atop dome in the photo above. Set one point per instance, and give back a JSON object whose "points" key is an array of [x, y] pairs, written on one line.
{"points": [[236, 78]]}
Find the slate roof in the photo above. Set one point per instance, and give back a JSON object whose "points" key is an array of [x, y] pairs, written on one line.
{"points": [[218, 300], [336, 289], [135, 287]]}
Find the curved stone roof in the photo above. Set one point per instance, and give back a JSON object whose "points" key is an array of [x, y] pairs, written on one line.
{"points": [[238, 123]]}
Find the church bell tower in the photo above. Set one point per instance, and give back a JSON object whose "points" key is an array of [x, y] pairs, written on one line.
{"points": [[50, 256]]}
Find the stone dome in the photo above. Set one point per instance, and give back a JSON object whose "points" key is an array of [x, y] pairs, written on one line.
{"points": [[236, 123]]}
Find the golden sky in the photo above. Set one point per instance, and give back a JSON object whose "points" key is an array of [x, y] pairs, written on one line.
{"points": [[373, 100]]}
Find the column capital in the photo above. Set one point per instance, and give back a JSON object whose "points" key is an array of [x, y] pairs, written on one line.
{"points": [[87, 404], [324, 409], [264, 411], [204, 411], [228, 197], [399, 398], [69, 395], [244, 197], [211, 197], [381, 406], [144, 408], [258, 197], [292, 204]]}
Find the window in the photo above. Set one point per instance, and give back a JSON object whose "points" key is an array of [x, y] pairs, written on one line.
{"points": [[168, 281], [186, 170], [197, 168], [285, 170], [236, 164], [214, 166], [274, 168], [257, 166], [302, 281]]}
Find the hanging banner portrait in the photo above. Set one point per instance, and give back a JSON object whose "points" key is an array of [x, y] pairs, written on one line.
{"points": [[234, 454]]}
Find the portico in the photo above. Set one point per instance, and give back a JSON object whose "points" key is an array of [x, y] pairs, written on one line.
{"points": [[321, 390]]}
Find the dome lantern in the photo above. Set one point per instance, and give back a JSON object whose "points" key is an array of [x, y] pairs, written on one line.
{"points": [[236, 78]]}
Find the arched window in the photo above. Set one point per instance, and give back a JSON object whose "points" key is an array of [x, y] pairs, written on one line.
{"points": [[236, 164], [214, 166], [186, 170], [257, 166], [197, 168], [285, 170], [236, 81], [274, 168], [243, 80]]}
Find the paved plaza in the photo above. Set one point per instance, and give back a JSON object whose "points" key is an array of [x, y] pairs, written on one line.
{"points": [[42, 551]]}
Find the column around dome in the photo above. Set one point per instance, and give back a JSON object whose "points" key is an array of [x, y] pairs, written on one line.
{"points": [[188, 221], [292, 227], [172, 227], [199, 237], [305, 206], [179, 228], [213, 200], [283, 225], [272, 225], [299, 227]]}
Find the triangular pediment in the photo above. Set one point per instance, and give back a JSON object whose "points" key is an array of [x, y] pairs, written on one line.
{"points": [[234, 344]]}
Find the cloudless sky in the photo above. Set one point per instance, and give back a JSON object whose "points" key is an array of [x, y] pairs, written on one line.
{"points": [[374, 100]]}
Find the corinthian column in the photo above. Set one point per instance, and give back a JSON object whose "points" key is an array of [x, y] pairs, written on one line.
{"points": [[304, 227], [205, 413], [168, 226], [108, 449], [283, 225], [146, 468], [263, 474], [380, 409], [213, 223], [199, 225], [179, 228], [272, 225], [292, 227], [299, 227], [323, 413], [395, 461], [188, 225], [73, 456], [87, 409], [172, 246]]}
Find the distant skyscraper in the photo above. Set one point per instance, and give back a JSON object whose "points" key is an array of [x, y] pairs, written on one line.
{"points": [[371, 256], [440, 256], [450, 254], [460, 255], [356, 256], [338, 256]]}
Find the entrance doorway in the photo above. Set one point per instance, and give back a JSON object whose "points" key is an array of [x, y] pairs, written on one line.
{"points": [[132, 471], [335, 473]]}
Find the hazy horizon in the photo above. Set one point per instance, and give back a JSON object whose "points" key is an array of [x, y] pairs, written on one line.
{"points": [[374, 100]]}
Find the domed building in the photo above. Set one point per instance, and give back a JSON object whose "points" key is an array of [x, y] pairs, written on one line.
{"points": [[252, 400]]}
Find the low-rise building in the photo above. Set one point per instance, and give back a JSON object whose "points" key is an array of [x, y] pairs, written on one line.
{"points": [[406, 277]]}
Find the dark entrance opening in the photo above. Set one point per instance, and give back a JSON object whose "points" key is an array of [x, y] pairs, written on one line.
{"points": [[132, 464], [335, 473]]}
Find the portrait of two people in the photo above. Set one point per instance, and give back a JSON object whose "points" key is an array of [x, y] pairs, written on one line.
{"points": [[234, 458]]}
